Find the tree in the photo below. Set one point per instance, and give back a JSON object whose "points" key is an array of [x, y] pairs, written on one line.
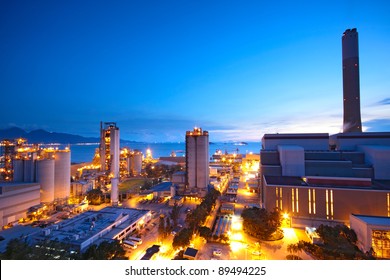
{"points": [[205, 232], [293, 249], [260, 223], [106, 250], [162, 232], [168, 226], [174, 214], [17, 249], [147, 184], [182, 239], [95, 196]]}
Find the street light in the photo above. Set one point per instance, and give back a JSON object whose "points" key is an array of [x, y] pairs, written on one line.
{"points": [[287, 219]]}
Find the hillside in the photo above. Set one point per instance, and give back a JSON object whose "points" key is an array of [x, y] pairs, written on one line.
{"points": [[43, 136]]}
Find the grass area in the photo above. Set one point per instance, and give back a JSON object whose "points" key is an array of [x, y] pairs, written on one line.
{"points": [[131, 185]]}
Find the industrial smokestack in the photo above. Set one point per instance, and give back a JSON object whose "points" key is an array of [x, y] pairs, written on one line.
{"points": [[351, 88], [115, 153]]}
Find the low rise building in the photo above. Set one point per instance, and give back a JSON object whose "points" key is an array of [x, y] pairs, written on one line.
{"points": [[16, 199], [190, 253], [373, 234], [93, 227]]}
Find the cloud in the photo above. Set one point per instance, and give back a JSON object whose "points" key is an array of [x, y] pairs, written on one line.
{"points": [[385, 101], [377, 125]]}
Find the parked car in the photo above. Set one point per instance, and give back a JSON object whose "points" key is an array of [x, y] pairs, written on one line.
{"points": [[217, 252]]}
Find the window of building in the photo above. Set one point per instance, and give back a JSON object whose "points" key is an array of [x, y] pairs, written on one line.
{"points": [[312, 201], [329, 204], [279, 198], [294, 200], [388, 204], [381, 243]]}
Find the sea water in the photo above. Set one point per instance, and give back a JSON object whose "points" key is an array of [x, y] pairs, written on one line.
{"points": [[85, 152]]}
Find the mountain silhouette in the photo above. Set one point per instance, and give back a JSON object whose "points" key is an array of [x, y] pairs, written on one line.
{"points": [[43, 136]]}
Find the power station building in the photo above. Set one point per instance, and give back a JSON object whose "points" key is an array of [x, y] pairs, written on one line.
{"points": [[315, 184], [344, 178], [197, 161]]}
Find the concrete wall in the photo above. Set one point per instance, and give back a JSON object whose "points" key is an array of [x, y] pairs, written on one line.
{"points": [[314, 141], [365, 172], [292, 160], [328, 168], [350, 141], [379, 158], [16, 199], [269, 157], [362, 231], [271, 170], [345, 201]]}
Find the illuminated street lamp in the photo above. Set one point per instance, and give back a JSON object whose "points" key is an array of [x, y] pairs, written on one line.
{"points": [[286, 219]]}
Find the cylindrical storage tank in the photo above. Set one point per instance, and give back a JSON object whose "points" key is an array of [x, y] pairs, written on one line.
{"points": [[29, 170], [45, 177], [137, 163], [18, 170], [62, 174]]}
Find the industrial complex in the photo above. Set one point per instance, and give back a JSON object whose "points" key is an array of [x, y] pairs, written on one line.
{"points": [[312, 178]]}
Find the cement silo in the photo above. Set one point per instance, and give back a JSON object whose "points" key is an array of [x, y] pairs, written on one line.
{"points": [[18, 166], [135, 163], [24, 169], [62, 174], [29, 168], [45, 177]]}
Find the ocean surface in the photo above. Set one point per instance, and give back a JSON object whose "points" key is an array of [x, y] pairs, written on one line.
{"points": [[85, 152]]}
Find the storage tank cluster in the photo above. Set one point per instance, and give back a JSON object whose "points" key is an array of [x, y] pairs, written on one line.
{"points": [[49, 167]]}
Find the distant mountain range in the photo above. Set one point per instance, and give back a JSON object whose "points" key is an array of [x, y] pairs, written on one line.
{"points": [[43, 136]]}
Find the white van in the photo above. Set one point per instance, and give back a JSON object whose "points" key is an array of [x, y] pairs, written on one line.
{"points": [[135, 240], [129, 244]]}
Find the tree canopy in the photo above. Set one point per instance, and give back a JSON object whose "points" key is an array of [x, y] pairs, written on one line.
{"points": [[260, 223]]}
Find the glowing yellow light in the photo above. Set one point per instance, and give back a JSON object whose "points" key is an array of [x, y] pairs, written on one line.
{"points": [[163, 249], [285, 216], [237, 226], [236, 246], [236, 236]]}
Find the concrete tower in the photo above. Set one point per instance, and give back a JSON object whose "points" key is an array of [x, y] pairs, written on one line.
{"points": [[351, 89], [109, 151], [197, 161], [114, 155]]}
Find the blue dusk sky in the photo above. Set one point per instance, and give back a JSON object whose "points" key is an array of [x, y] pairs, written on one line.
{"points": [[238, 69]]}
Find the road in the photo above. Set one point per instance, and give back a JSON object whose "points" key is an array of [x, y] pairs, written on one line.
{"points": [[241, 247]]}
